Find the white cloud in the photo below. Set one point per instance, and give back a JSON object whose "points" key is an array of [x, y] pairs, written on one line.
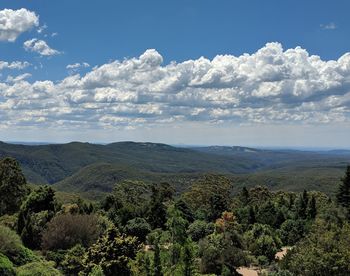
{"points": [[329, 26], [15, 22], [18, 78], [40, 47], [270, 86], [75, 67], [17, 65]]}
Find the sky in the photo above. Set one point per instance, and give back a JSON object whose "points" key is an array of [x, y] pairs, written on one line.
{"points": [[251, 73]]}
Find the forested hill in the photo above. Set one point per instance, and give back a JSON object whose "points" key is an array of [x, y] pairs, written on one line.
{"points": [[93, 167]]}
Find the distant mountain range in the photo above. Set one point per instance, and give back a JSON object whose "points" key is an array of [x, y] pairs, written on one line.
{"points": [[95, 168]]}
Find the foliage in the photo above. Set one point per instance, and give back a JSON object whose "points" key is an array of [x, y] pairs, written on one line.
{"points": [[35, 212], [325, 251], [292, 231], [343, 195], [211, 193], [12, 186], [11, 246], [39, 268], [6, 266], [199, 229], [262, 241], [113, 252], [66, 230], [138, 227], [72, 261]]}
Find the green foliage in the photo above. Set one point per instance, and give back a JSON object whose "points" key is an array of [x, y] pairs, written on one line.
{"points": [[199, 229], [35, 212], [72, 262], [188, 258], [157, 264], [6, 266], [9, 221], [12, 186], [39, 268], [112, 252], [262, 241], [96, 271], [292, 231], [211, 193], [325, 251], [343, 195], [138, 227], [11, 246], [66, 230], [157, 211]]}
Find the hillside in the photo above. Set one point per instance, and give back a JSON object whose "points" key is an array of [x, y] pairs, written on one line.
{"points": [[93, 168]]}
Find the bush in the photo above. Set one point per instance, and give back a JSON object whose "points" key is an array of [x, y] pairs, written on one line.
{"points": [[138, 227], [113, 252], [6, 266], [11, 246], [39, 268], [10, 242], [199, 229], [66, 230], [72, 262], [9, 221]]}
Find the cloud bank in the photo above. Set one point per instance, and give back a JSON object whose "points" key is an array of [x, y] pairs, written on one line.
{"points": [[270, 86], [15, 22]]}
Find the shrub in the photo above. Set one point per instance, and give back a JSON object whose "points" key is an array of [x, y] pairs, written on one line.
{"points": [[199, 229], [138, 227], [113, 252], [66, 230], [39, 268], [72, 262], [10, 242], [6, 266]]}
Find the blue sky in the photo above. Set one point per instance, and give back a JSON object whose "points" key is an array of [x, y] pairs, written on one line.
{"points": [[77, 89]]}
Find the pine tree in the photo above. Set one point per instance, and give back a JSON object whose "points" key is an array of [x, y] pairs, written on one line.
{"points": [[312, 210], [12, 186], [343, 195]]}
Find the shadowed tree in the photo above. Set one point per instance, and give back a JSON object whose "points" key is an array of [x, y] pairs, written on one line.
{"points": [[12, 186]]}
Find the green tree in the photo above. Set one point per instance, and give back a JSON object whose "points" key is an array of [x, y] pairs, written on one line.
{"points": [[157, 264], [343, 195], [188, 258], [35, 212], [325, 251], [157, 210], [312, 209], [138, 227], [13, 186], [113, 252], [72, 262]]}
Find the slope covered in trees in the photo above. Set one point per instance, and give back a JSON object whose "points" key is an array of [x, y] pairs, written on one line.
{"points": [[149, 229], [93, 169]]}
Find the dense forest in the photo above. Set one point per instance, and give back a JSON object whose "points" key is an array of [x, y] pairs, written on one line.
{"points": [[143, 228]]}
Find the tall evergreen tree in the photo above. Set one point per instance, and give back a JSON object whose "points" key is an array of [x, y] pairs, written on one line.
{"points": [[312, 210], [343, 195], [12, 186]]}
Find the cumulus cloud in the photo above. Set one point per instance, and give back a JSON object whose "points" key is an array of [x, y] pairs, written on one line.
{"points": [[272, 85], [39, 46], [17, 65], [75, 67], [15, 22]]}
